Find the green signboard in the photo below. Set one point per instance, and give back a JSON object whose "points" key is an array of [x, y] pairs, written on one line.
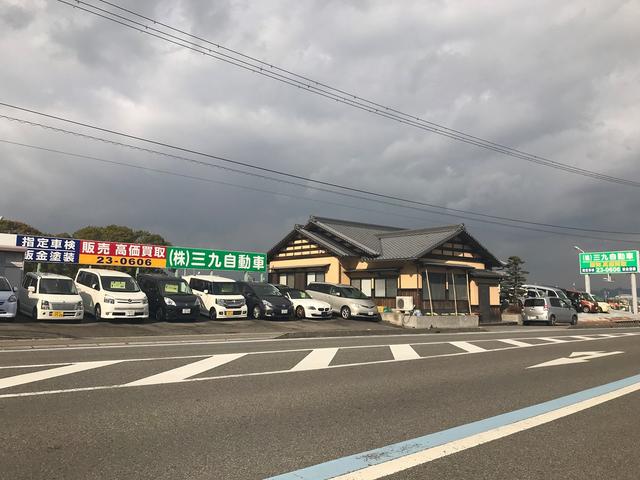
{"points": [[609, 262], [201, 258]]}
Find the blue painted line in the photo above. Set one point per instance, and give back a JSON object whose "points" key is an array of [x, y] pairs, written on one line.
{"points": [[352, 463]]}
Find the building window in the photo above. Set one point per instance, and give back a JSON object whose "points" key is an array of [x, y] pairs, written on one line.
{"points": [[437, 282], [287, 279], [386, 287], [366, 286], [315, 277], [462, 290]]}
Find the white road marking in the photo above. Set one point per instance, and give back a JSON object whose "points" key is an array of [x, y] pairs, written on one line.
{"points": [[317, 359], [515, 343], [321, 361], [468, 347], [181, 373], [403, 352], [52, 372], [413, 460], [554, 340], [575, 357], [583, 337], [231, 341]]}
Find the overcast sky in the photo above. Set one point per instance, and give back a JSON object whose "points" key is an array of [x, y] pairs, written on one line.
{"points": [[557, 80]]}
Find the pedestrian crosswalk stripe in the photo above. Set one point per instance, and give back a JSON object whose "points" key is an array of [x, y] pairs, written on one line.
{"points": [[468, 347], [515, 343], [404, 352], [554, 340], [52, 372], [181, 373], [318, 358]]}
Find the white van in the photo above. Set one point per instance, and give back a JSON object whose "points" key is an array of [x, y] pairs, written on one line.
{"points": [[108, 294], [220, 297], [47, 296]]}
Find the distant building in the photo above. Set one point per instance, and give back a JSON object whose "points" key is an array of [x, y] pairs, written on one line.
{"points": [[444, 269]]}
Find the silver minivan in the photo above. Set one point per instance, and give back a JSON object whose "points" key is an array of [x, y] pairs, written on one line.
{"points": [[548, 309], [345, 300]]}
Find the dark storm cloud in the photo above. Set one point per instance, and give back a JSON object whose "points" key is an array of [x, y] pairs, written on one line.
{"points": [[558, 81]]}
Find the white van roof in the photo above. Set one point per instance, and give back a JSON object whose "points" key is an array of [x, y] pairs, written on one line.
{"points": [[209, 278], [105, 272]]}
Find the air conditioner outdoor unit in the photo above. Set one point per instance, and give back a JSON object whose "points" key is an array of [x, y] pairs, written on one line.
{"points": [[404, 303]]}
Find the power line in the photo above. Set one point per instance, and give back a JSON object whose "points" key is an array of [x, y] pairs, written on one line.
{"points": [[278, 172], [324, 90], [245, 187]]}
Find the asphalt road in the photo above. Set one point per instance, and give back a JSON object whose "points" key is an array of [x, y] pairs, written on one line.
{"points": [[253, 409]]}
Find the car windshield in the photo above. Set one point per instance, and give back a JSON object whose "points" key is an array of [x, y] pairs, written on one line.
{"points": [[351, 292], [174, 287], [588, 297], [266, 290], [58, 286], [224, 288], [120, 284], [4, 285], [293, 293]]}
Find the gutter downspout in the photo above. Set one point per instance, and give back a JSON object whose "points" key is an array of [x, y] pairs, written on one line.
{"points": [[468, 293], [455, 297]]}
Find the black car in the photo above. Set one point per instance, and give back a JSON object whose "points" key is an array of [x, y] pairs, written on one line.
{"points": [[170, 298], [265, 301]]}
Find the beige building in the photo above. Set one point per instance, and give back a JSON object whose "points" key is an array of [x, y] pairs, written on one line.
{"points": [[444, 269]]}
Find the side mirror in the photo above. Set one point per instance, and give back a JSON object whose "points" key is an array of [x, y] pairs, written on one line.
{"points": [[15, 289], [31, 289], [205, 292], [94, 286], [338, 294]]}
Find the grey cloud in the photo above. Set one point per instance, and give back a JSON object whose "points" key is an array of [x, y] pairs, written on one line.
{"points": [[558, 81]]}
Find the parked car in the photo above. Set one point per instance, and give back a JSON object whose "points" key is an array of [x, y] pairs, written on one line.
{"points": [[345, 300], [582, 301], [304, 306], [265, 301], [170, 298], [220, 297], [8, 299], [47, 296], [109, 294], [603, 305], [551, 310]]}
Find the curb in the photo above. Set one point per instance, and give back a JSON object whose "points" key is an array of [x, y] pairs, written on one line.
{"points": [[358, 333]]}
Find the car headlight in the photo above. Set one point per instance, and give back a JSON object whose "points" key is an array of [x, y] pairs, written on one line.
{"points": [[220, 303], [145, 301], [312, 308], [45, 305], [108, 299], [267, 304], [169, 302], [12, 299], [79, 306]]}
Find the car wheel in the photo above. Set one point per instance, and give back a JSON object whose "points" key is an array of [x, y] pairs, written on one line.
{"points": [[585, 309], [345, 312], [213, 314], [299, 312], [256, 313], [552, 320], [574, 320], [598, 310], [160, 316], [97, 313]]}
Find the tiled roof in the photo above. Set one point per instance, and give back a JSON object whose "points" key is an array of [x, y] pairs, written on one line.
{"points": [[362, 235], [411, 244]]}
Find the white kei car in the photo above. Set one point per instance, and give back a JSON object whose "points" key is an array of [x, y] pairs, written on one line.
{"points": [[303, 305]]}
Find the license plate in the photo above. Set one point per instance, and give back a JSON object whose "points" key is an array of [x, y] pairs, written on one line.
{"points": [[130, 313], [57, 314], [370, 313], [229, 313], [284, 312], [186, 310]]}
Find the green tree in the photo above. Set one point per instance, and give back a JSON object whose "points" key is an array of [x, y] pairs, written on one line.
{"points": [[515, 276]]}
